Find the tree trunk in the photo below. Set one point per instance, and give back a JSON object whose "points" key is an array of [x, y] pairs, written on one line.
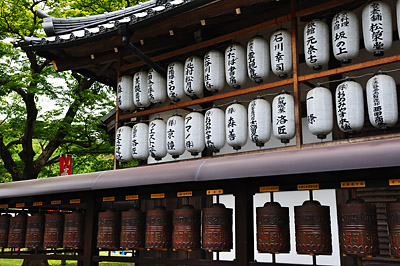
{"points": [[28, 262]]}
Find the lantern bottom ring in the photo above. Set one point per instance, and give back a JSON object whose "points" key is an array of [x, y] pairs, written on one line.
{"points": [[379, 53], [321, 136], [317, 67], [282, 75], [346, 61]]}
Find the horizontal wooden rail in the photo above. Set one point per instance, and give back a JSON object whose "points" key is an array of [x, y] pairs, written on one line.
{"points": [[340, 70], [209, 99]]}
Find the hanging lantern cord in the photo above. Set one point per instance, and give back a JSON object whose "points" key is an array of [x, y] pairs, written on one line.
{"points": [[360, 76]]}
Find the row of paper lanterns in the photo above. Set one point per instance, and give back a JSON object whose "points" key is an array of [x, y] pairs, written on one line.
{"points": [[212, 72], [196, 131], [376, 30], [382, 106], [212, 130], [216, 69]]}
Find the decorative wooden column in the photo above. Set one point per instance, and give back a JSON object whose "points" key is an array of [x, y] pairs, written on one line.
{"points": [[296, 87]]}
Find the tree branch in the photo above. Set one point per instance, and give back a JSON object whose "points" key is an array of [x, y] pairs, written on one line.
{"points": [[58, 139], [9, 162]]}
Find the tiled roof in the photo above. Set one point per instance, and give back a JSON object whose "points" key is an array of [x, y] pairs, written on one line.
{"points": [[68, 30]]}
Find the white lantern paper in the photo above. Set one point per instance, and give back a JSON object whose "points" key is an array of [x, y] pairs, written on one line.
{"points": [[382, 101], [157, 87], [194, 133], [316, 44], [193, 77], [125, 90], [214, 72], [398, 16], [140, 89], [175, 81], [236, 125], [377, 27], [281, 53], [258, 63], [140, 145], [214, 126], [345, 36], [320, 112], [349, 106], [123, 144], [157, 138], [283, 122], [214, 129], [259, 117], [235, 65], [175, 136]]}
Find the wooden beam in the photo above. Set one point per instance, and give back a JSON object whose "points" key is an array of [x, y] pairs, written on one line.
{"points": [[295, 59], [209, 99], [373, 63]]}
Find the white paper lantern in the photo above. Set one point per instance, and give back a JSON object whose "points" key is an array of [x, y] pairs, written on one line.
{"points": [[316, 44], [283, 121], [258, 63], [157, 138], [377, 27], [194, 133], [236, 125], [214, 71], [175, 81], [123, 144], [382, 101], [175, 136], [157, 87], [214, 129], [281, 53], [125, 91], [259, 117], [140, 145], [320, 112], [235, 65], [349, 106], [398, 17], [140, 89], [193, 77], [345, 36]]}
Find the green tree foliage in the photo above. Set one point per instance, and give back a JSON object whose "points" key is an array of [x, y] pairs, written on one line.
{"points": [[42, 112]]}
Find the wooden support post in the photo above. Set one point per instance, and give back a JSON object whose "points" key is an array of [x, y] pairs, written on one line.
{"points": [[116, 107], [297, 93], [244, 226], [89, 248]]}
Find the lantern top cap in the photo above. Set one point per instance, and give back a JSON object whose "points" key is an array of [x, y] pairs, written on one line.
{"points": [[158, 118], [311, 203], [160, 208], [284, 92], [258, 36], [218, 206], [176, 114], [133, 209], [355, 201], [259, 97], [272, 204], [236, 102], [348, 79], [187, 207]]}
